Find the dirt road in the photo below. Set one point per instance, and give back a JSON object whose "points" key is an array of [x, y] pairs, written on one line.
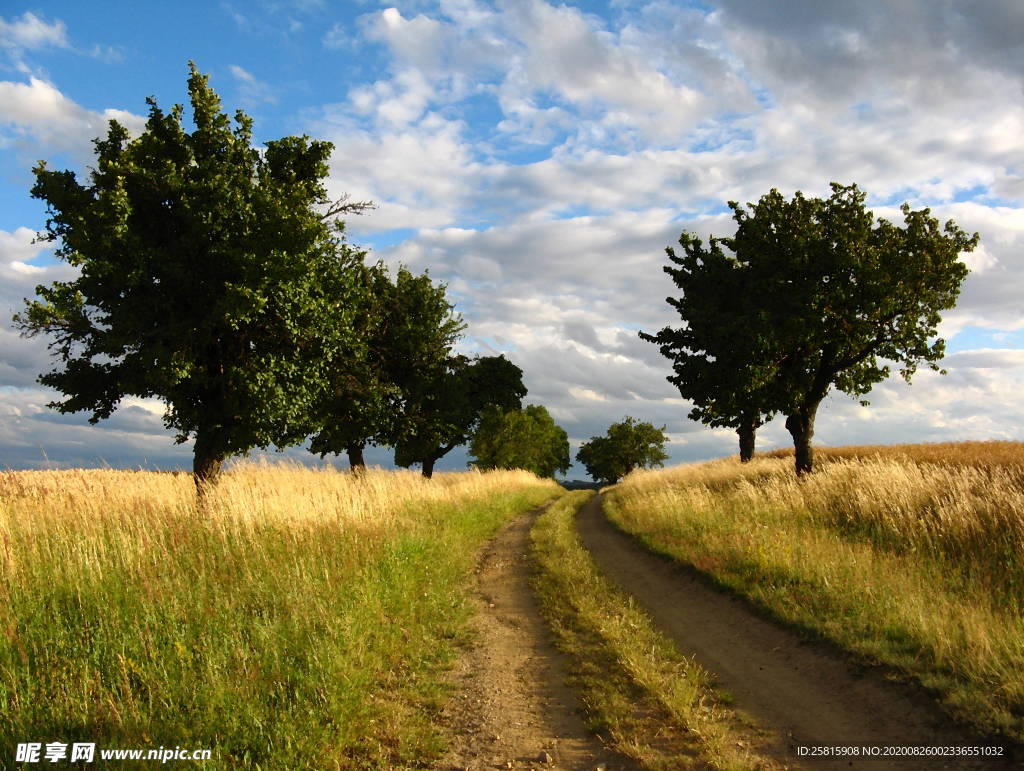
{"points": [[806, 693], [513, 708]]}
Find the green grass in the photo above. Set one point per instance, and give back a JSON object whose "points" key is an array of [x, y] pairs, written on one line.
{"points": [[651, 703], [316, 642]]}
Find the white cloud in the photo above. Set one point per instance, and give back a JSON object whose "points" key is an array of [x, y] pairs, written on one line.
{"points": [[19, 246], [420, 41], [21, 360], [32, 33], [567, 55], [417, 168], [980, 260], [38, 115]]}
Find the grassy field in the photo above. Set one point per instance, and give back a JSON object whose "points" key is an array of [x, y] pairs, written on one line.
{"points": [[302, 621], [908, 556], [984, 455], [649, 701]]}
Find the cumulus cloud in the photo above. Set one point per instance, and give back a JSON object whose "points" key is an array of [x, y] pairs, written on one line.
{"points": [[597, 72], [21, 360], [36, 115], [33, 436]]}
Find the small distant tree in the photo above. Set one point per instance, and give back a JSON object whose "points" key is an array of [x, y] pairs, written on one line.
{"points": [[835, 293], [212, 276], [720, 357], [527, 439], [626, 446], [409, 328], [442, 408]]}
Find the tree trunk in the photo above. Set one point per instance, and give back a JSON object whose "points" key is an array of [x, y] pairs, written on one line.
{"points": [[440, 452], [748, 434], [355, 459], [801, 426], [207, 462]]}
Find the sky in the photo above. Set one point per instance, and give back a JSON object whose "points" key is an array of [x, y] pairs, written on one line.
{"points": [[539, 158]]}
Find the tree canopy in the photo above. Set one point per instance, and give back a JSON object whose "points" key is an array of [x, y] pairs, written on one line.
{"points": [[718, 357], [410, 328], [830, 297], [626, 446], [442, 408], [839, 294], [213, 276], [527, 439]]}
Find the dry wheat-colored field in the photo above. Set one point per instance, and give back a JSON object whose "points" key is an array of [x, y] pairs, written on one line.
{"points": [[299, 620], [908, 556], [988, 454]]}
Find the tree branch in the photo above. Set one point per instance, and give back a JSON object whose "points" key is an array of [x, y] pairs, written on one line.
{"points": [[344, 206]]}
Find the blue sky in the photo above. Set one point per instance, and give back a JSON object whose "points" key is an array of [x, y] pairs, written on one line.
{"points": [[539, 157]]}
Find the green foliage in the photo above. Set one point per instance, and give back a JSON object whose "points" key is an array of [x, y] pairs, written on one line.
{"points": [[626, 446], [526, 439], [208, 278], [410, 329], [443, 407], [816, 294], [833, 293], [719, 358]]}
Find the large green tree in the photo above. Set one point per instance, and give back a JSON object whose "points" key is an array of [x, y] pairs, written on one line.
{"points": [[627, 445], [409, 329], [836, 295], [442, 408], [213, 276], [527, 439], [719, 355]]}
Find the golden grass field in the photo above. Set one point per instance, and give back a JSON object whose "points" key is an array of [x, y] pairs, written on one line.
{"points": [[910, 556], [987, 454], [300, 620]]}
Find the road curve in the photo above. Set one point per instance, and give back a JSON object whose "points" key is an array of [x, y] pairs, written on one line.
{"points": [[804, 692]]}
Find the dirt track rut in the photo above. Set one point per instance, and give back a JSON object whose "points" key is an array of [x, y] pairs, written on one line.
{"points": [[513, 704], [802, 691]]}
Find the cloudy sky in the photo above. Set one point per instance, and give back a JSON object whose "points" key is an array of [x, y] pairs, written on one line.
{"points": [[540, 157]]}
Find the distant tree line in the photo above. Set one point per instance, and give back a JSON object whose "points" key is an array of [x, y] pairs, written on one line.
{"points": [[809, 294], [218, 278]]}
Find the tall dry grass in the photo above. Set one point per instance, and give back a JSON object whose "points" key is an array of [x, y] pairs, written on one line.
{"points": [[986, 455], [299, 620], [914, 564]]}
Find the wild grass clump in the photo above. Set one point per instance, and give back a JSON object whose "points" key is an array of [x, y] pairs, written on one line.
{"points": [[913, 564], [299, 621], [655, 705]]}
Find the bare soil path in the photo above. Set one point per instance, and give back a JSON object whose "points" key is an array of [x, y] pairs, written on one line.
{"points": [[804, 692], [513, 708]]}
